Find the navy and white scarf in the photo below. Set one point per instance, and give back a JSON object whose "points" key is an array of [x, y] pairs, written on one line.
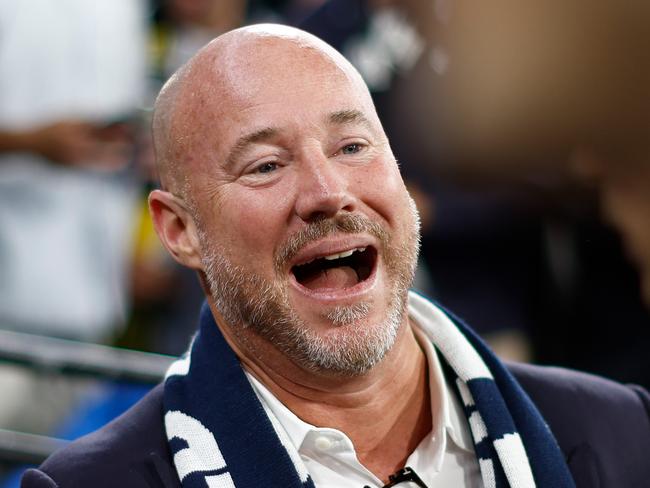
{"points": [[221, 436]]}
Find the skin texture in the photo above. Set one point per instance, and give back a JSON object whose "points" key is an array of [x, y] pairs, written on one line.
{"points": [[270, 154]]}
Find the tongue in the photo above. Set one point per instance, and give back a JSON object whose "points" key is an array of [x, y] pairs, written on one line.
{"points": [[332, 278]]}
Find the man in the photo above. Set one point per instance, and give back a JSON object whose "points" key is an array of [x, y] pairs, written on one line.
{"points": [[313, 365]]}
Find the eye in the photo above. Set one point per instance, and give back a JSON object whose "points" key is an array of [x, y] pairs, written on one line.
{"points": [[351, 148], [266, 168]]}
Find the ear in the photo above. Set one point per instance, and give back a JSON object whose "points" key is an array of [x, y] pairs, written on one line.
{"points": [[175, 228]]}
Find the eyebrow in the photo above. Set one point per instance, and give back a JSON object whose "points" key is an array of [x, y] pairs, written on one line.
{"points": [[343, 117], [243, 142]]}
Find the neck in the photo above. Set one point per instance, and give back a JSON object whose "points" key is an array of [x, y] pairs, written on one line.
{"points": [[385, 412]]}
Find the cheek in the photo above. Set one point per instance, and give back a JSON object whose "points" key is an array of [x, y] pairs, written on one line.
{"points": [[254, 221], [383, 189]]}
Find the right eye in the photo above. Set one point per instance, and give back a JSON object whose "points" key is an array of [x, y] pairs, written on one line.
{"points": [[262, 172], [265, 168]]}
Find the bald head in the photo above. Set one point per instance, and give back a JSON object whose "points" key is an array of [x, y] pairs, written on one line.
{"points": [[233, 68], [272, 149]]}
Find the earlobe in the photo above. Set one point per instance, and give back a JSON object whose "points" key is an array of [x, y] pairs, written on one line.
{"points": [[175, 228]]}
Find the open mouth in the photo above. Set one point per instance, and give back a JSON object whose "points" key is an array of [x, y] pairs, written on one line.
{"points": [[337, 271]]}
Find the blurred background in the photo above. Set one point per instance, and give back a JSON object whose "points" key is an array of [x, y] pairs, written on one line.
{"points": [[522, 128]]}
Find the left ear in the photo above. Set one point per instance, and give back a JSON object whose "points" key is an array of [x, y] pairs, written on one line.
{"points": [[176, 228]]}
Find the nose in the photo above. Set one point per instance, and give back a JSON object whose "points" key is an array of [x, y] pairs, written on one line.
{"points": [[322, 189]]}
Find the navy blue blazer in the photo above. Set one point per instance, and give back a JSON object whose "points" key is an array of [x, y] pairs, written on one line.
{"points": [[603, 429]]}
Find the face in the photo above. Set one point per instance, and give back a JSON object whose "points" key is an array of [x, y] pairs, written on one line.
{"points": [[309, 238]]}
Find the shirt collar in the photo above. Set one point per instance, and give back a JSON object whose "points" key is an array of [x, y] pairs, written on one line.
{"points": [[296, 428], [446, 410]]}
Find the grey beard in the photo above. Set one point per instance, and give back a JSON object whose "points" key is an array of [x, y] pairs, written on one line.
{"points": [[340, 316], [249, 302]]}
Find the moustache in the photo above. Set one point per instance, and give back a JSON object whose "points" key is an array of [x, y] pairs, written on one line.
{"points": [[318, 229]]}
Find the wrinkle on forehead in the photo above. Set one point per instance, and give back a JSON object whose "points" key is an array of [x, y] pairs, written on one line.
{"points": [[233, 68]]}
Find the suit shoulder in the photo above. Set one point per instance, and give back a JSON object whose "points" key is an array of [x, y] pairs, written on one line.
{"points": [[603, 427], [561, 384], [581, 407], [118, 454]]}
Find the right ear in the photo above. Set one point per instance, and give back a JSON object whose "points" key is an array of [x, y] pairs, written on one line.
{"points": [[175, 228]]}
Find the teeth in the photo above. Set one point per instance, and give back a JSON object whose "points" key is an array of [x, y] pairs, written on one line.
{"points": [[343, 254]]}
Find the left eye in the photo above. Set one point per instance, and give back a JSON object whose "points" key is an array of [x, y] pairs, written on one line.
{"points": [[351, 149]]}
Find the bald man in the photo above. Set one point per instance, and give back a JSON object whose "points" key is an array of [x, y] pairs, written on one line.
{"points": [[314, 366]]}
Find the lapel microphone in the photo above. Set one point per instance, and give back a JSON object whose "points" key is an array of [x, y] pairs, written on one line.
{"points": [[405, 476]]}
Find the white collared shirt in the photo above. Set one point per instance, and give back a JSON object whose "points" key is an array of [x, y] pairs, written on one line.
{"points": [[444, 458]]}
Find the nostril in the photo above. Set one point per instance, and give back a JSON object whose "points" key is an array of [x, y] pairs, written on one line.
{"points": [[323, 205]]}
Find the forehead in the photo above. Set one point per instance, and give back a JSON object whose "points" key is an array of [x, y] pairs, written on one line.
{"points": [[257, 64], [272, 83]]}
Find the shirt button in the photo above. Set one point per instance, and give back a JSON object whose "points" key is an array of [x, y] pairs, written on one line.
{"points": [[323, 443]]}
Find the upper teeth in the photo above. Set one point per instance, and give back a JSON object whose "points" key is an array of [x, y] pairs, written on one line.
{"points": [[343, 254]]}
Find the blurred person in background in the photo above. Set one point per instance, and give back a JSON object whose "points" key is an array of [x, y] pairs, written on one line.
{"points": [[72, 75], [532, 91]]}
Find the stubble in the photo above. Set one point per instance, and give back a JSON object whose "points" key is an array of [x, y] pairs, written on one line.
{"points": [[250, 303]]}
